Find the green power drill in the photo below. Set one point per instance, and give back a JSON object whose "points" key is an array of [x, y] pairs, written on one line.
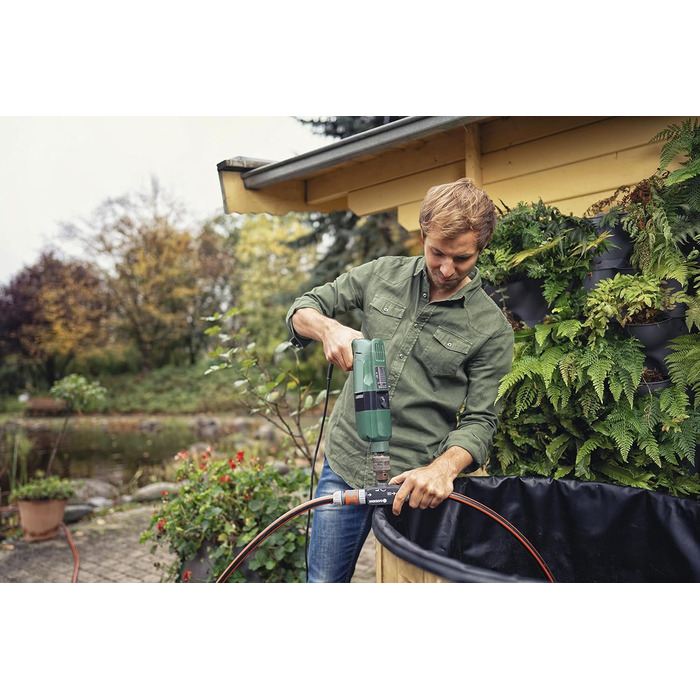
{"points": [[372, 415]]}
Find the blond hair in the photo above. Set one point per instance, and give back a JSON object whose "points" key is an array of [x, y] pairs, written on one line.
{"points": [[455, 208]]}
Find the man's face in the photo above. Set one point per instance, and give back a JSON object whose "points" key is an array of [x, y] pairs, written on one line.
{"points": [[450, 260]]}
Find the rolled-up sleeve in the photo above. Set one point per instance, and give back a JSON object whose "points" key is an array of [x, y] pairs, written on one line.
{"points": [[345, 293]]}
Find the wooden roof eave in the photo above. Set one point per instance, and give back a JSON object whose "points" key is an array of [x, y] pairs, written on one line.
{"points": [[253, 186]]}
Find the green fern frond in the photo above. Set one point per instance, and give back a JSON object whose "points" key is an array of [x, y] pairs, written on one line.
{"points": [[674, 403], [622, 425], [648, 443], [556, 448], [549, 360], [528, 395], [684, 363], [588, 403], [568, 329], [569, 367], [627, 477], [542, 332], [583, 455], [524, 367]]}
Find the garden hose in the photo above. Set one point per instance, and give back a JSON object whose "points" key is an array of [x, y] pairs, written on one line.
{"points": [[76, 556], [360, 497]]}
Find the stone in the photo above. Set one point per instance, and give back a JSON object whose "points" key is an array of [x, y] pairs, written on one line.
{"points": [[73, 513], [153, 492], [92, 488], [100, 502]]}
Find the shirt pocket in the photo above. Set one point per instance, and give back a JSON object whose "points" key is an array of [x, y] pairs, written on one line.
{"points": [[383, 317], [446, 352]]}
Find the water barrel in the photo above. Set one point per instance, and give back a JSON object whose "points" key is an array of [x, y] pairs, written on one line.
{"points": [[586, 532]]}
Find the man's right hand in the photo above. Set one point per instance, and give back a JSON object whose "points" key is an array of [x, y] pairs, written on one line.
{"points": [[335, 337]]}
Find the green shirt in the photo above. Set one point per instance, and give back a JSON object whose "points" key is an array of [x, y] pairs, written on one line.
{"points": [[444, 359]]}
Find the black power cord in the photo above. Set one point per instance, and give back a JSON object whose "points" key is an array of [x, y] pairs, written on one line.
{"points": [[329, 376]]}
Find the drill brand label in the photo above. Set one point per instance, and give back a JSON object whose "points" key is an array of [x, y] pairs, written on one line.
{"points": [[380, 378]]}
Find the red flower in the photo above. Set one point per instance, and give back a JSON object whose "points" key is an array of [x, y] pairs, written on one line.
{"points": [[161, 524], [231, 463], [239, 456], [186, 575], [226, 477], [246, 496]]}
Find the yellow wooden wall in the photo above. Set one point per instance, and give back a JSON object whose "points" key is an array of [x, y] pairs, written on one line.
{"points": [[568, 162]]}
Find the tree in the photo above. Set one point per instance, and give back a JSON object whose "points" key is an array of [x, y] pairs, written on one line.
{"points": [[50, 313], [161, 272]]}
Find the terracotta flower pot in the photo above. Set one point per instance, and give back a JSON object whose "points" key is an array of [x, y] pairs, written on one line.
{"points": [[41, 520]]}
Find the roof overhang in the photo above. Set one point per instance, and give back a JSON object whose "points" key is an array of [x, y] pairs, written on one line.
{"points": [[258, 175]]}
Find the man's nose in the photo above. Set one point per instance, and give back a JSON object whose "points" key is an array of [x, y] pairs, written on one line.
{"points": [[447, 268]]}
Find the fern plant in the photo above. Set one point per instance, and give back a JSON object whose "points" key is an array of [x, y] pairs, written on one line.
{"points": [[571, 409], [682, 140], [684, 364]]}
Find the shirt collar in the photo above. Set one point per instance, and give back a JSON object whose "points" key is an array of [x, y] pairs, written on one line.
{"points": [[464, 292]]}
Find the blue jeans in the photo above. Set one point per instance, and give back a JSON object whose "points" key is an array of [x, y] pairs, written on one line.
{"points": [[337, 533]]}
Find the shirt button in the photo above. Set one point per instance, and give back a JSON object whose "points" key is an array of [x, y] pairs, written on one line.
{"points": [[425, 295], [415, 325], [401, 356], [386, 308], [449, 345]]}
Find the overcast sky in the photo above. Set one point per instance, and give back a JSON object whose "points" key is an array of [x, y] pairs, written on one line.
{"points": [[55, 169]]}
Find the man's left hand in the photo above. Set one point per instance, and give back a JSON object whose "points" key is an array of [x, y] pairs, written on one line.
{"points": [[428, 487]]}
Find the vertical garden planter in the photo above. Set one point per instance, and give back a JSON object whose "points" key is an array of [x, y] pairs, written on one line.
{"points": [[523, 298], [613, 260], [655, 338]]}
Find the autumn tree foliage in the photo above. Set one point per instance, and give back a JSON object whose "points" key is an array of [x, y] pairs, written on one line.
{"points": [[49, 314], [161, 273]]}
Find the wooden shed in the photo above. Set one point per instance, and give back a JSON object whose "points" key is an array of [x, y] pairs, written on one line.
{"points": [[569, 162]]}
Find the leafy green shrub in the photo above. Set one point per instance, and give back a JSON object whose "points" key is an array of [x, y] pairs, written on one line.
{"points": [[78, 393], [44, 489], [221, 506]]}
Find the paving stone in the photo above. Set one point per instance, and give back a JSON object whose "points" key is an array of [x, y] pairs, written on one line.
{"points": [[110, 552]]}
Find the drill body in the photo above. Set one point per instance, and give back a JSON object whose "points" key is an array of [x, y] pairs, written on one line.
{"points": [[371, 391]]}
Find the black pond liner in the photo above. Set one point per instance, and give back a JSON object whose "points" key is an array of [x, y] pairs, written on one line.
{"points": [[586, 533]]}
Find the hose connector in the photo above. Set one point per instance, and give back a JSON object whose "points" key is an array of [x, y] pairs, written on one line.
{"points": [[372, 496]]}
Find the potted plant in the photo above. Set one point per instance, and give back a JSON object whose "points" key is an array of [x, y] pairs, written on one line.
{"points": [[41, 503], [538, 259], [639, 304]]}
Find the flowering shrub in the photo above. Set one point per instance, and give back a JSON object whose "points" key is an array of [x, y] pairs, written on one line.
{"points": [[222, 505]]}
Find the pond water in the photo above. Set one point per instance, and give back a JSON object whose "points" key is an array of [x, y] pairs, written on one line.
{"points": [[124, 451]]}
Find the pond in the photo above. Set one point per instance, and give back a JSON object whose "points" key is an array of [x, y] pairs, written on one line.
{"points": [[127, 450]]}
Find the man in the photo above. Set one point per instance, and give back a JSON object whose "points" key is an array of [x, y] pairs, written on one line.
{"points": [[447, 347]]}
